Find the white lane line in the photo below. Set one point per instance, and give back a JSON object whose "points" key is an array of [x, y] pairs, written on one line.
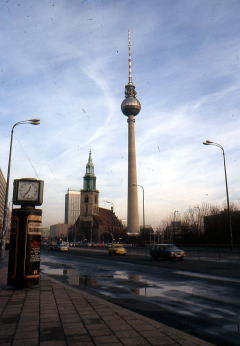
{"points": [[207, 276]]}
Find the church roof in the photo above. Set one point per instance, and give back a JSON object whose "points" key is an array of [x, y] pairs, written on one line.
{"points": [[106, 217]]}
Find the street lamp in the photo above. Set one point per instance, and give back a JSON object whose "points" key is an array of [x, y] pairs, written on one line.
{"points": [[4, 227], [174, 223], [207, 142]]}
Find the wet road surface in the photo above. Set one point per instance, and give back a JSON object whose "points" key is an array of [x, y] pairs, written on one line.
{"points": [[204, 305]]}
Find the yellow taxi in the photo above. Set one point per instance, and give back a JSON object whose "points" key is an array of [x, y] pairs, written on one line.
{"points": [[116, 249]]}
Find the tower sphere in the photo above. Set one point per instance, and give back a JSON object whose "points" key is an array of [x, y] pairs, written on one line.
{"points": [[130, 106]]}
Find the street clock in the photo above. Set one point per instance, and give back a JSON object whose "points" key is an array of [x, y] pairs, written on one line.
{"points": [[28, 191]]}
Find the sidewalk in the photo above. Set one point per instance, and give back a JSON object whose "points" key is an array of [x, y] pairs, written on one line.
{"points": [[53, 314]]}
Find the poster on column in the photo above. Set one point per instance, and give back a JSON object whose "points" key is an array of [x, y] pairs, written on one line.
{"points": [[32, 258]]}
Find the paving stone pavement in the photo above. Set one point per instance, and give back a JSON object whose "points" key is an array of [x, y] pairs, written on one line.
{"points": [[54, 314]]}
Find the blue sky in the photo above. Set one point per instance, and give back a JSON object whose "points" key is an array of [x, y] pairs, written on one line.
{"points": [[65, 62]]}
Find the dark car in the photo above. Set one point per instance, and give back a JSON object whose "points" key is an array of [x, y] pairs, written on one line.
{"points": [[166, 251], [53, 245]]}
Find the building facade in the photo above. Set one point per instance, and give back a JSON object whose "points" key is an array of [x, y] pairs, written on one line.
{"points": [[217, 230], [45, 232], [60, 230], [72, 206]]}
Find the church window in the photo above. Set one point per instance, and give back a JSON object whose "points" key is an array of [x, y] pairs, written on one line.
{"points": [[86, 199]]}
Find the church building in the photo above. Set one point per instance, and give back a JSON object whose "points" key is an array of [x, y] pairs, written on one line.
{"points": [[95, 224]]}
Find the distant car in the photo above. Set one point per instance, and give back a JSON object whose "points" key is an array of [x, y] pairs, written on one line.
{"points": [[166, 251], [64, 246], [73, 244], [99, 245], [77, 244], [116, 249], [59, 246]]}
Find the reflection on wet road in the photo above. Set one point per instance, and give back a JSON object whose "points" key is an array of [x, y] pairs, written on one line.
{"points": [[204, 305]]}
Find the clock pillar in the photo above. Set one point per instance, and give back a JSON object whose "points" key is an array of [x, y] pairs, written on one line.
{"points": [[25, 237], [24, 251]]}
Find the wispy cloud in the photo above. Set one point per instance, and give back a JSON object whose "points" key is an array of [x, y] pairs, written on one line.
{"points": [[66, 64]]}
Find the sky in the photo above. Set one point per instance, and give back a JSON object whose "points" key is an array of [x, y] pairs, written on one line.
{"points": [[65, 62]]}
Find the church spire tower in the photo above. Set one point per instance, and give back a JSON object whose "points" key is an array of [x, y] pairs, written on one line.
{"points": [[89, 193], [89, 180], [131, 107]]}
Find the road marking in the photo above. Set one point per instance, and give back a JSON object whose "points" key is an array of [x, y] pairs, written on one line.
{"points": [[207, 276]]}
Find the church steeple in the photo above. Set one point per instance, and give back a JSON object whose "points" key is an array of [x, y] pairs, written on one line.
{"points": [[89, 180], [89, 194], [90, 166]]}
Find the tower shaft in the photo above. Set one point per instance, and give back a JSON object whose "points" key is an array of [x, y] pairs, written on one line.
{"points": [[131, 107], [132, 215]]}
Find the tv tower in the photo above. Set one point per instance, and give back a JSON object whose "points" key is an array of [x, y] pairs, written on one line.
{"points": [[131, 107]]}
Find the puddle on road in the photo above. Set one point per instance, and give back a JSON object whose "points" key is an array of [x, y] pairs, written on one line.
{"points": [[120, 275], [176, 296], [56, 265], [163, 290], [105, 283], [70, 276], [118, 282], [148, 291]]}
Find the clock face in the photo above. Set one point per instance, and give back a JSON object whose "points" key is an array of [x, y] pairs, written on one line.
{"points": [[28, 190]]}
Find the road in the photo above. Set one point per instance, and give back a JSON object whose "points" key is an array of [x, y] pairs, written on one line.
{"points": [[195, 301]]}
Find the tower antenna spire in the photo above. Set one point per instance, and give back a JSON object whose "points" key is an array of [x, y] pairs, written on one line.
{"points": [[129, 58]]}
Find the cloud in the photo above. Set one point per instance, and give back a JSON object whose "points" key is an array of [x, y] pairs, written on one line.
{"points": [[67, 65]]}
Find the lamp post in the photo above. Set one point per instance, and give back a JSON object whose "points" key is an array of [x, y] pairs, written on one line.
{"points": [[4, 227], [174, 223], [207, 142]]}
